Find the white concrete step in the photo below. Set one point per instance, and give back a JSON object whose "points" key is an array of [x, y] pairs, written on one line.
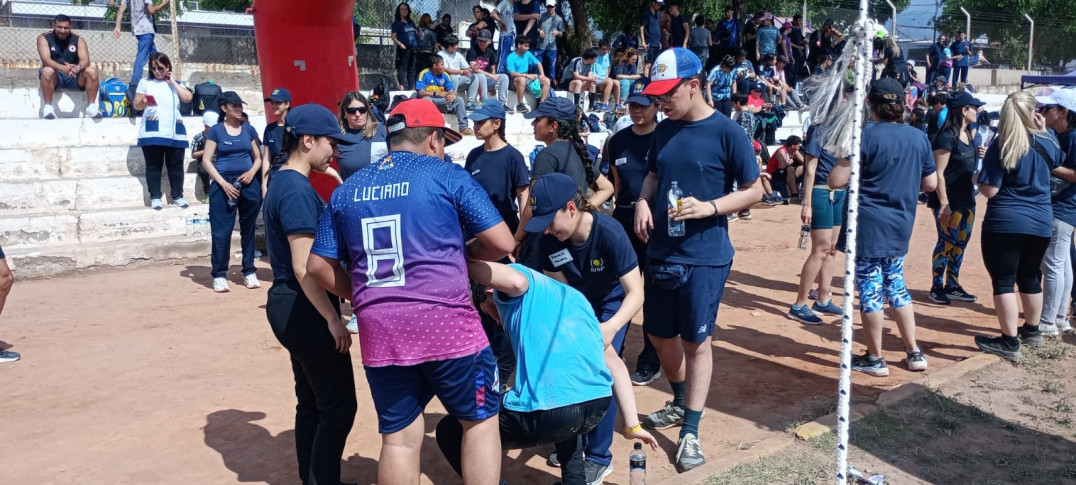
{"points": [[57, 260], [25, 103], [94, 226], [36, 134], [57, 196]]}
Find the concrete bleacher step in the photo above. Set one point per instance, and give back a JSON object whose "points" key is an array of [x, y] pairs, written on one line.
{"points": [[84, 132], [91, 226], [25, 103], [80, 194], [34, 262]]}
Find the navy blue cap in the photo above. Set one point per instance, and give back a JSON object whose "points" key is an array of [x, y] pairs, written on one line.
{"points": [[317, 120], [886, 91], [229, 97], [549, 195], [491, 108], [964, 98], [635, 94], [279, 95], [557, 108]]}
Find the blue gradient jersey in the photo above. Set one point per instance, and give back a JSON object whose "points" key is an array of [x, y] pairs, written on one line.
{"points": [[400, 223]]}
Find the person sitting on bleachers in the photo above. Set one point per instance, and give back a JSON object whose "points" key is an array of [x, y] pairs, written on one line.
{"points": [[65, 64], [435, 85], [520, 62]]}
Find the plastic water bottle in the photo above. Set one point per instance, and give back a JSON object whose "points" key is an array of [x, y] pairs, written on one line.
{"points": [[805, 236], [637, 461], [676, 228], [190, 225], [238, 186]]}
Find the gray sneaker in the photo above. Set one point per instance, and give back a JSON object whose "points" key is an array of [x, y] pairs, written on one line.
{"points": [[669, 416], [1030, 338], [595, 473], [689, 453], [8, 356]]}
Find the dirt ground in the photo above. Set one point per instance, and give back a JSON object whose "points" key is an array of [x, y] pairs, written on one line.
{"points": [[1002, 424], [146, 376]]}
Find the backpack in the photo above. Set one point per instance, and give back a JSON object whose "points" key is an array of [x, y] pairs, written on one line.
{"points": [[186, 108], [113, 99], [205, 97], [379, 98]]}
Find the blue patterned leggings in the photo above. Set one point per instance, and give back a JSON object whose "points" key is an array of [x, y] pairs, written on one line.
{"points": [[949, 252], [880, 280]]}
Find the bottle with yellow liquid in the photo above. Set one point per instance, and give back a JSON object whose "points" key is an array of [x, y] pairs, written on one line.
{"points": [[676, 228]]}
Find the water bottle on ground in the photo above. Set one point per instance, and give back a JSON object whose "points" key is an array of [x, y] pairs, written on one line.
{"points": [[238, 186], [190, 225], [676, 228], [637, 460], [805, 236]]}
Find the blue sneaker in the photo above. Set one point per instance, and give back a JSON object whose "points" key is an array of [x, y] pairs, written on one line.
{"points": [[829, 308], [802, 314]]}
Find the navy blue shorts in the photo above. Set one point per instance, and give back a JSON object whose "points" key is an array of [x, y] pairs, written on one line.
{"points": [[466, 386], [686, 306], [65, 82]]}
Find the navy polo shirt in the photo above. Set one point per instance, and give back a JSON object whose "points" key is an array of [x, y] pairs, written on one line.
{"points": [[895, 158], [627, 154], [595, 266], [652, 28], [1064, 204], [1022, 204], [273, 136], [291, 206], [500, 172], [233, 153], [704, 157], [826, 161]]}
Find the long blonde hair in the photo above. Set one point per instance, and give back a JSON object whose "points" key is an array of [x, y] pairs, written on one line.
{"points": [[1016, 127]]}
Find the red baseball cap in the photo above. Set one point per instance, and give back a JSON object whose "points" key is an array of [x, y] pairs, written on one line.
{"points": [[419, 113]]}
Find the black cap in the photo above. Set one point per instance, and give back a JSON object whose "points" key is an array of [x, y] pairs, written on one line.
{"points": [[229, 97], [886, 90]]}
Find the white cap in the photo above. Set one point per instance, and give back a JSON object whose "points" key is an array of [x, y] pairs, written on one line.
{"points": [[911, 63], [551, 3], [210, 118], [1066, 98]]}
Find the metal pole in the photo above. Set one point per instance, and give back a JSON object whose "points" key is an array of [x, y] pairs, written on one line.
{"points": [[934, 22], [862, 67], [805, 19], [1030, 40], [177, 67], [967, 25], [894, 7]]}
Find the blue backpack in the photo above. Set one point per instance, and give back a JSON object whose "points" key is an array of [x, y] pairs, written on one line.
{"points": [[113, 99]]}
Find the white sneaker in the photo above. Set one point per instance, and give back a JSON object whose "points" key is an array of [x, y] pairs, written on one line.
{"points": [[1049, 330], [48, 112], [92, 111], [8, 356], [1064, 326], [251, 280], [220, 285]]}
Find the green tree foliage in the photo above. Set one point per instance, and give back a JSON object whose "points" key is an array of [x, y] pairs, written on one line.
{"points": [[224, 5], [1003, 23]]}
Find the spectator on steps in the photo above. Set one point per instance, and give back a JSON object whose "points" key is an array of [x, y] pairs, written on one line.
{"points": [[483, 58], [143, 28], [209, 120], [434, 85], [520, 64], [65, 64], [161, 135], [458, 70], [403, 35]]}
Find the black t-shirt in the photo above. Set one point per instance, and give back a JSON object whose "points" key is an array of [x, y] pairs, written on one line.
{"points": [[958, 173], [291, 206], [595, 266], [500, 172], [561, 157], [627, 154], [485, 61], [441, 32], [487, 25], [531, 8], [677, 33]]}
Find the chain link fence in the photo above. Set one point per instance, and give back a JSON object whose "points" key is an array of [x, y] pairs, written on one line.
{"points": [[215, 41]]}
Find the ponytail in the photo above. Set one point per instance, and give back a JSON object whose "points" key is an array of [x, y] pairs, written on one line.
{"points": [[289, 143], [1015, 128], [567, 130], [582, 203]]}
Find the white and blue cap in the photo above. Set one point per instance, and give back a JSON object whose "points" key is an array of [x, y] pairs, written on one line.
{"points": [[672, 66], [1065, 98], [636, 96], [317, 120]]}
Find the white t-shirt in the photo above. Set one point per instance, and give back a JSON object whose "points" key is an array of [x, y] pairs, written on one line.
{"points": [[161, 123], [454, 61]]}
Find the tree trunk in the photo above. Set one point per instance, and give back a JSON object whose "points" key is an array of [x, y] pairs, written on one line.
{"points": [[581, 37]]}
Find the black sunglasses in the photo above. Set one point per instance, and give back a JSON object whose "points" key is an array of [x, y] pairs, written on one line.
{"points": [[1047, 108], [360, 110]]}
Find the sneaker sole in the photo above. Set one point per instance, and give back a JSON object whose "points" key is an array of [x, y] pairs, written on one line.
{"points": [[1010, 356], [961, 298], [916, 367], [649, 425], [656, 376], [839, 314], [226, 290], [883, 372], [804, 321], [940, 302], [608, 471], [680, 467], [1032, 343]]}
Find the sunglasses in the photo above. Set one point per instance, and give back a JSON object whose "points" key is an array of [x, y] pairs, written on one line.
{"points": [[360, 110], [667, 97], [1047, 108], [159, 68]]}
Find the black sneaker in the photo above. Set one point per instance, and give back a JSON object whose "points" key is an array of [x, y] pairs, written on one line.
{"points": [[745, 214], [643, 376], [998, 346], [957, 293], [521, 108], [1030, 338], [937, 295]]}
